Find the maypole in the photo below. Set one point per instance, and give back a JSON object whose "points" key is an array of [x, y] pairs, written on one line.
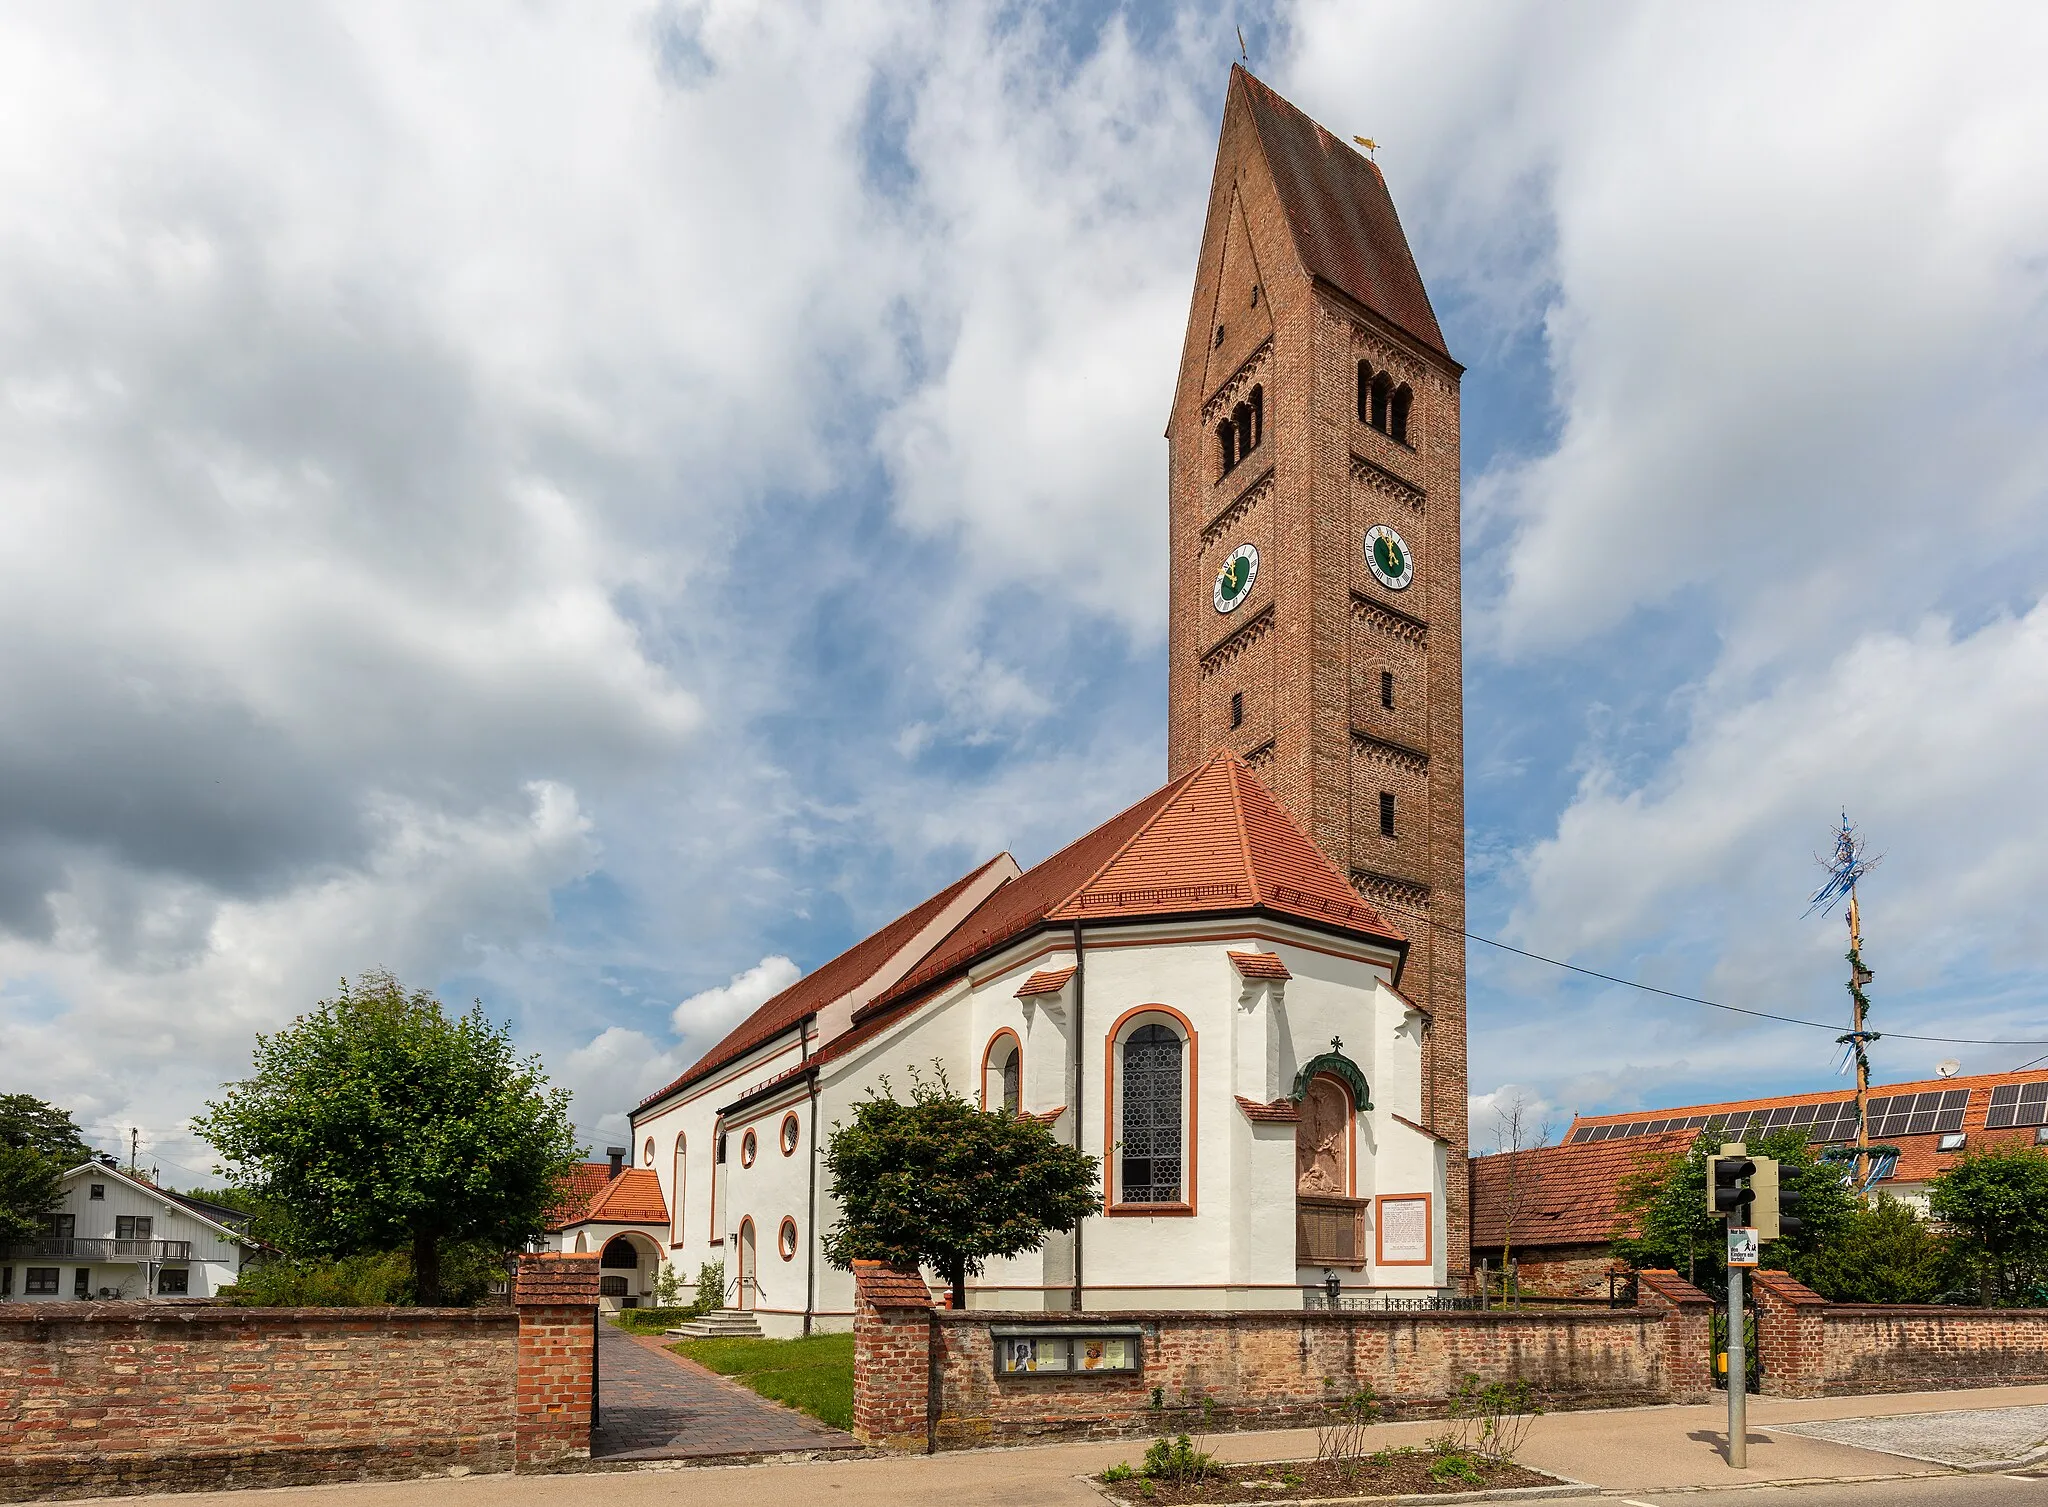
{"points": [[1848, 863]]}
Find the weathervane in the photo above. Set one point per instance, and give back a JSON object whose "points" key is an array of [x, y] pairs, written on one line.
{"points": [[1847, 864]]}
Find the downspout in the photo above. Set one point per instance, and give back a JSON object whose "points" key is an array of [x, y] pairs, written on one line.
{"points": [[811, 1233], [1079, 985]]}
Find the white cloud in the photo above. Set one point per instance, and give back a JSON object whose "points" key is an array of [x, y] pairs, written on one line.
{"points": [[707, 1015]]}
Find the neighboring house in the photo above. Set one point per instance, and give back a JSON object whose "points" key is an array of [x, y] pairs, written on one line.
{"points": [[618, 1212], [1191, 993], [1565, 1197], [114, 1235]]}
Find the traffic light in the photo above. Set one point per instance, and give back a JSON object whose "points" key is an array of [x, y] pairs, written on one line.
{"points": [[1763, 1189], [1790, 1200], [1725, 1194]]}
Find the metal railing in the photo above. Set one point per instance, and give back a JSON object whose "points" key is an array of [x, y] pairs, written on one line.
{"points": [[91, 1248], [1316, 1300]]}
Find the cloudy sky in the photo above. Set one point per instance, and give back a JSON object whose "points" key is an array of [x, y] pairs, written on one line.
{"points": [[594, 507]]}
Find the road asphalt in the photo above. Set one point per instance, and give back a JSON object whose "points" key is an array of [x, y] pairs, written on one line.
{"points": [[1664, 1456]]}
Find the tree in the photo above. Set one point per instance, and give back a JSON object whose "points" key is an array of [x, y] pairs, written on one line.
{"points": [[1522, 1175], [1994, 1205], [1667, 1197], [1887, 1254], [377, 1122], [941, 1183], [39, 1143]]}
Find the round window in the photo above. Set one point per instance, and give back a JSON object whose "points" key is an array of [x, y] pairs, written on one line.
{"points": [[785, 1239], [748, 1146], [647, 1153], [789, 1135]]}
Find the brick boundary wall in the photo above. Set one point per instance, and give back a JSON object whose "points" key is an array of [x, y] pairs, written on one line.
{"points": [[101, 1399], [1258, 1368], [1813, 1348]]}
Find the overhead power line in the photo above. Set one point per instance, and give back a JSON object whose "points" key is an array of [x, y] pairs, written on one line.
{"points": [[1693, 999]]}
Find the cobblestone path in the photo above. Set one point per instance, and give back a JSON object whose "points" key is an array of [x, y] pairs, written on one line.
{"points": [[656, 1406]]}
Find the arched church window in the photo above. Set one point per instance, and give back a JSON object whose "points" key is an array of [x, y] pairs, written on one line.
{"points": [[1257, 403], [1149, 1161], [676, 1190], [1241, 418], [1226, 437], [1382, 396], [1364, 392], [1002, 1079], [1397, 421], [619, 1253]]}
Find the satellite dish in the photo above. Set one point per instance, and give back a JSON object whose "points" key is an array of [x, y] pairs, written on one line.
{"points": [[1948, 1067]]}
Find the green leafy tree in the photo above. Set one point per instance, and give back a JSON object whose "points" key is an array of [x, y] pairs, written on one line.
{"points": [[939, 1182], [1666, 1200], [1886, 1254], [39, 1143], [377, 1123], [1994, 1205]]}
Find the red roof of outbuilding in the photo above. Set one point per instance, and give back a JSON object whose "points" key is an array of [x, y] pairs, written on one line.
{"points": [[1345, 229], [1570, 1195], [584, 1182], [1259, 965], [633, 1197]]}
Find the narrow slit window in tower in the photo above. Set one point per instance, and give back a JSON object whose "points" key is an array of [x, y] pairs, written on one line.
{"points": [[1387, 689], [1386, 813], [1237, 709]]}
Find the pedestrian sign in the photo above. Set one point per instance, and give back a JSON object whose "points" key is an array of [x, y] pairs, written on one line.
{"points": [[1742, 1245]]}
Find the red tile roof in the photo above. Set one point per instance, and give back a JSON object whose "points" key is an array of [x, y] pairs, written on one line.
{"points": [[1345, 229], [1570, 1195], [584, 1182], [1214, 840], [1279, 1112], [633, 1197], [887, 1287], [591, 1195], [822, 985], [1260, 965], [1046, 981]]}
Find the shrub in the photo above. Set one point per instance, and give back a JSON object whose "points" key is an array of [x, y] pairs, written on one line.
{"points": [[1121, 1471], [1178, 1462], [1492, 1418], [1888, 1254], [710, 1286], [1456, 1465], [1341, 1439], [377, 1280]]}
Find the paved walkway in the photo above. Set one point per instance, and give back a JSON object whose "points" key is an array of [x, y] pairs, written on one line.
{"points": [[653, 1405]]}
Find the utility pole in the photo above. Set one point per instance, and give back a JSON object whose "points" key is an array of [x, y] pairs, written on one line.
{"points": [[134, 1142]]}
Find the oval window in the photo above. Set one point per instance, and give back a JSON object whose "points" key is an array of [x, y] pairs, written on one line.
{"points": [[647, 1153], [748, 1147], [785, 1239], [789, 1135]]}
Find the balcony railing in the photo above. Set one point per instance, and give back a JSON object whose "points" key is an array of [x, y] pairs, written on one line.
{"points": [[1329, 1231], [88, 1248]]}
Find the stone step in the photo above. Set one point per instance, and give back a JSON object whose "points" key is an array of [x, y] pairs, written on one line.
{"points": [[720, 1324]]}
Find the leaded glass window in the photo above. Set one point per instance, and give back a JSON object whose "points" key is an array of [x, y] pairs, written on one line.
{"points": [[1151, 1153], [1010, 1085]]}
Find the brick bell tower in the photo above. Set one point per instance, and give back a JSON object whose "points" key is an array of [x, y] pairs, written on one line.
{"points": [[1313, 494]]}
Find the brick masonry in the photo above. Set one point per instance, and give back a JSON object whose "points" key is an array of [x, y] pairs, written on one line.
{"points": [[1307, 649], [113, 1398], [1813, 1348], [1258, 1369]]}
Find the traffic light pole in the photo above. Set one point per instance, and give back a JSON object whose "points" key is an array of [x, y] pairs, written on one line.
{"points": [[1738, 1376]]}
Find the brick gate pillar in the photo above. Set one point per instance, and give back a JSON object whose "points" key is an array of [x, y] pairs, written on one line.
{"points": [[893, 1405], [556, 1296], [1790, 1336], [1688, 1333]]}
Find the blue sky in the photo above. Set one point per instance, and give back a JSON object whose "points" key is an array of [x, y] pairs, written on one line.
{"points": [[596, 508]]}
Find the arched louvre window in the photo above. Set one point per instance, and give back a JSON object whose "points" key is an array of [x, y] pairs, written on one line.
{"points": [[1257, 405], [1152, 1140], [1226, 437], [1382, 394], [1364, 392], [1397, 421]]}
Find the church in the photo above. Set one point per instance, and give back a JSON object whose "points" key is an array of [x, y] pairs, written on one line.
{"points": [[1245, 994]]}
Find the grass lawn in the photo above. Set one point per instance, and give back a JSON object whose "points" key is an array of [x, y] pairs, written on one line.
{"points": [[813, 1375]]}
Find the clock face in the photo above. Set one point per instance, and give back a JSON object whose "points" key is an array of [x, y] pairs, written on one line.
{"points": [[1387, 553], [1234, 581]]}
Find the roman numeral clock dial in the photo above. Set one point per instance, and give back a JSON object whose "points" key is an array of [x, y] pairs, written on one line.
{"points": [[1234, 580], [1388, 557]]}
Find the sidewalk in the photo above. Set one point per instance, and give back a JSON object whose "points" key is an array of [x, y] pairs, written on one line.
{"points": [[1631, 1450]]}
